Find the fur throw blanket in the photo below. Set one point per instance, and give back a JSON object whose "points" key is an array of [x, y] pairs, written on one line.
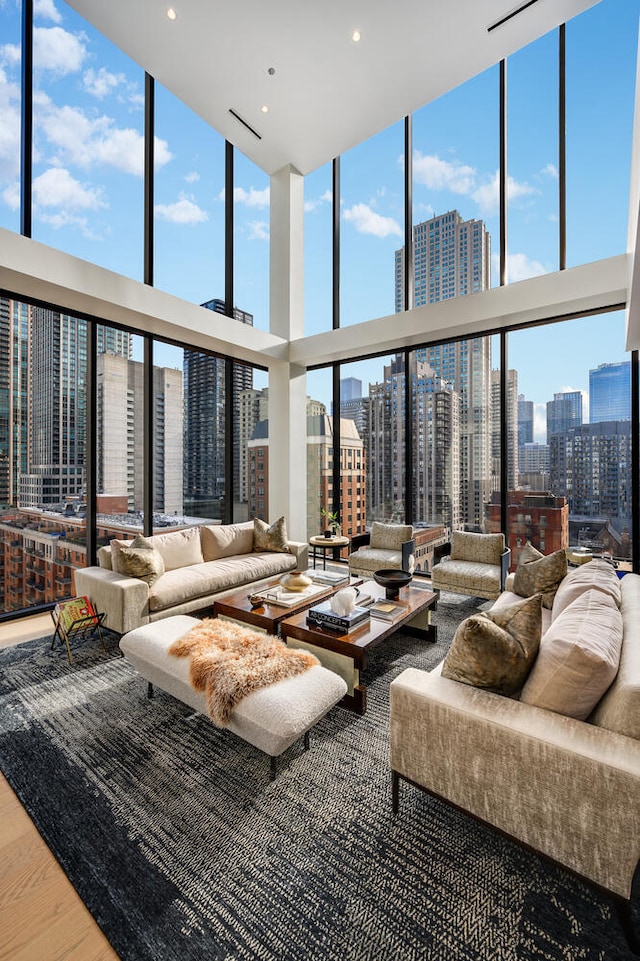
{"points": [[229, 661]]}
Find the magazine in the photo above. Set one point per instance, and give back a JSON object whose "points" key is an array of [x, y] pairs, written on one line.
{"points": [[68, 613], [387, 610], [284, 598]]}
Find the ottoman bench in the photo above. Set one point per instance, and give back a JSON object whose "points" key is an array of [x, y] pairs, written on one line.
{"points": [[271, 718]]}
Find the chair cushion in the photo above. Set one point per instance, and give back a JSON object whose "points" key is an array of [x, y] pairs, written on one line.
{"points": [[372, 559], [467, 577], [495, 650], [390, 537], [539, 573], [578, 657], [482, 548]]}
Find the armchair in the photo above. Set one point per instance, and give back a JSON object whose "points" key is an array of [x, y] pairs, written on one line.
{"points": [[473, 564], [387, 546]]}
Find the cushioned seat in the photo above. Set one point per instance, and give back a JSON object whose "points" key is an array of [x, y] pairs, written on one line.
{"points": [[473, 564], [271, 718]]}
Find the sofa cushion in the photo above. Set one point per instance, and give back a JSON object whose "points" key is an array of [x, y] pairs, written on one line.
{"points": [[389, 537], [596, 575], [225, 540], [179, 548], [495, 650], [270, 538], [481, 548], [578, 657], [539, 573], [139, 559], [185, 584]]}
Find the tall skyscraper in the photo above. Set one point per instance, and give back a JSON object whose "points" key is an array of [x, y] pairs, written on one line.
{"points": [[512, 429], [525, 421], [563, 412], [205, 399], [610, 392], [452, 257], [14, 397]]}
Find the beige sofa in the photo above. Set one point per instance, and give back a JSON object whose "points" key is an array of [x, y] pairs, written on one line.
{"points": [[198, 564], [568, 788]]}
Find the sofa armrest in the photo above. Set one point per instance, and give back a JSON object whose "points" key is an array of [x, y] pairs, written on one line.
{"points": [[505, 564], [360, 540], [301, 552], [124, 600], [569, 789]]}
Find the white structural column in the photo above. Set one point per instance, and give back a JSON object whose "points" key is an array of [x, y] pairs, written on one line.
{"points": [[287, 383]]}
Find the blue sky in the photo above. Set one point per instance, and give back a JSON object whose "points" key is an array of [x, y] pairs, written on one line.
{"points": [[88, 179]]}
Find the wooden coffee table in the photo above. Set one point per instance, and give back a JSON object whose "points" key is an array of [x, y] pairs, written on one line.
{"points": [[268, 617], [346, 654]]}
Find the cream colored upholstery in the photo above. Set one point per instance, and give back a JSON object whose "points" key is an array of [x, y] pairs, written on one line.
{"points": [[476, 564], [189, 584], [390, 547], [566, 787]]}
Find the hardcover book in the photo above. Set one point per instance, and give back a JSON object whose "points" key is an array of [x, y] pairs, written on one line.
{"points": [[387, 610], [324, 616]]}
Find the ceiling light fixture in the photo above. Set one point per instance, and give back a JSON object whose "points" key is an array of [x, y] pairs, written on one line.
{"points": [[264, 108], [355, 36], [171, 14]]}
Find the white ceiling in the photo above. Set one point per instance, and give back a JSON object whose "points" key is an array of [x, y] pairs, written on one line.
{"points": [[327, 93]]}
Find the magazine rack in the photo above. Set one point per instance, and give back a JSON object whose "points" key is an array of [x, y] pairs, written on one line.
{"points": [[73, 618]]}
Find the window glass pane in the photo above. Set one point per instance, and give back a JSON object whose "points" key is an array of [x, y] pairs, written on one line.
{"points": [[372, 225], [455, 193], [252, 420], [318, 250], [168, 436], [188, 203], [319, 449], [601, 66], [574, 475], [532, 186], [43, 422], [251, 240], [88, 143], [10, 106], [204, 387]]}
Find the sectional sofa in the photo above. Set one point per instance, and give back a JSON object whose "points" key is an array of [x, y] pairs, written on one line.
{"points": [[183, 571]]}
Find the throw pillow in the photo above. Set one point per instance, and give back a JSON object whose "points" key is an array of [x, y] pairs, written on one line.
{"points": [[270, 538], [578, 658], [539, 573], [179, 548], [495, 650], [596, 575], [139, 559], [226, 540], [115, 546]]}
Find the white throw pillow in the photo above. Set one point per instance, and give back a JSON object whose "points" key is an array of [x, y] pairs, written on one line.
{"points": [[596, 575], [179, 548], [578, 657], [226, 540]]}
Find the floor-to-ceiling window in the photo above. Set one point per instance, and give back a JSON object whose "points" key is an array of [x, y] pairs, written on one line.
{"points": [[10, 106], [251, 203], [318, 250]]}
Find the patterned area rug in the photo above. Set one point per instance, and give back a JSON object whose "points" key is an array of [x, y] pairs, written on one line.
{"points": [[182, 848]]}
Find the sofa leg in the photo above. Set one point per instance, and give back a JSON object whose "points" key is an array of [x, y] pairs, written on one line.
{"points": [[395, 791], [149, 689]]}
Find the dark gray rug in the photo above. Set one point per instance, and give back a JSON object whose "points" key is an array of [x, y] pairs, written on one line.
{"points": [[183, 849]]}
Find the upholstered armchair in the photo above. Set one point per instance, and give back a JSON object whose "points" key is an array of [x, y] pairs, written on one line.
{"points": [[387, 546], [473, 564]]}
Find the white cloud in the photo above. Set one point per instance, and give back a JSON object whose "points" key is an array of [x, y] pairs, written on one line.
{"points": [[313, 204], [520, 267], [58, 50], [550, 170], [192, 177], [437, 174], [252, 198], [10, 53], [258, 230], [11, 195], [367, 221], [487, 195], [102, 83], [47, 10], [540, 423], [9, 129], [184, 211], [57, 188], [86, 142]]}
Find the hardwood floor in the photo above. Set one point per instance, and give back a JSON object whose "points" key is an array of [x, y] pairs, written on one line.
{"points": [[41, 916]]}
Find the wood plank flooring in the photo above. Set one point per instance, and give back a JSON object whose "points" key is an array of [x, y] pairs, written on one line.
{"points": [[41, 916]]}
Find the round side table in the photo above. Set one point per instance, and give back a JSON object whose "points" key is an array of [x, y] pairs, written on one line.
{"points": [[319, 542]]}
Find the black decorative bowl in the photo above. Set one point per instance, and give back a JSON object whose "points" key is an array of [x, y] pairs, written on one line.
{"points": [[392, 581]]}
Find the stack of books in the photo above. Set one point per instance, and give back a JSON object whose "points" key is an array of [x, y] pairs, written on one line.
{"points": [[387, 610], [330, 578], [323, 616]]}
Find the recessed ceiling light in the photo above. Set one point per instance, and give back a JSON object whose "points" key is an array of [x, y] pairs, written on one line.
{"points": [[172, 15], [264, 108], [355, 36]]}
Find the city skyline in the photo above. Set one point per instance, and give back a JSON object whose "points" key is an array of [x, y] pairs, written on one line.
{"points": [[88, 183]]}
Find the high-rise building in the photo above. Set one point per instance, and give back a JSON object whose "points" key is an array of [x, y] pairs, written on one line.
{"points": [[610, 392], [353, 406], [512, 429], [525, 421], [452, 257], [14, 397], [563, 412], [590, 465], [205, 399]]}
